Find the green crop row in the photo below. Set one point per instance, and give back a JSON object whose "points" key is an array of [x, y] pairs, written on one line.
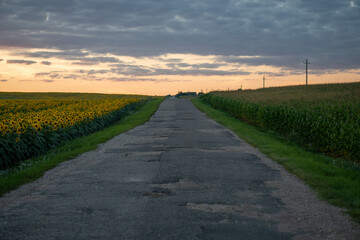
{"points": [[333, 129]]}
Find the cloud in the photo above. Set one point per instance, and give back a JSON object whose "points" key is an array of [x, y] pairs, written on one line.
{"points": [[43, 80], [170, 60], [80, 55], [197, 72], [26, 62], [284, 32], [1, 60], [54, 75], [92, 71], [42, 74], [63, 75], [96, 60], [71, 76], [3, 80], [65, 54], [195, 66], [276, 74], [101, 59], [45, 63], [84, 63], [51, 73], [126, 79], [176, 69]]}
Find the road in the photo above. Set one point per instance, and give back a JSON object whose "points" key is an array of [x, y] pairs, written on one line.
{"points": [[179, 176]]}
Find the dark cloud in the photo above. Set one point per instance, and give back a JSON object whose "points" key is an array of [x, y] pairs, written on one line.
{"points": [[65, 54], [101, 60], [197, 72], [1, 60], [96, 60], [178, 65], [142, 71], [45, 63], [80, 56], [194, 70], [195, 66], [284, 32], [20, 62], [3, 80]]}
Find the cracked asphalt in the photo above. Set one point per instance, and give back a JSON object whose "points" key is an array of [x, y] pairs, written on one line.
{"points": [[179, 176]]}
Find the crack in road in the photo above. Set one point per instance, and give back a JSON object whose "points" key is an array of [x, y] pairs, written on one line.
{"points": [[179, 176]]}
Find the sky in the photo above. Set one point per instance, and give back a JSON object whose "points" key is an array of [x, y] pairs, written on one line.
{"points": [[159, 47]]}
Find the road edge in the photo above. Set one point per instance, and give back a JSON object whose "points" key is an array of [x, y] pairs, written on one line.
{"points": [[311, 168], [35, 168]]}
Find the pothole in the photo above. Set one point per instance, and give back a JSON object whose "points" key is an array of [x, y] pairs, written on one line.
{"points": [[182, 184], [153, 160], [158, 193], [248, 210], [215, 208]]}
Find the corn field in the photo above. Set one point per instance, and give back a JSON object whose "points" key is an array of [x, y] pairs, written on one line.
{"points": [[323, 118]]}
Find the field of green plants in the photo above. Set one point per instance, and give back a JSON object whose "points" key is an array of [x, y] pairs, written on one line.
{"points": [[322, 118], [32, 123]]}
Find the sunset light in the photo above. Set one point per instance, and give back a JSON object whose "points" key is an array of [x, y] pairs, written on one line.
{"points": [[114, 47], [180, 119]]}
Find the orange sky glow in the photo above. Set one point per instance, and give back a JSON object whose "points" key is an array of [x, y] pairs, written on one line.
{"points": [[20, 73]]}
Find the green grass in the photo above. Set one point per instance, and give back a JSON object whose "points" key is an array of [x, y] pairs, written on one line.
{"points": [[33, 169], [335, 180], [323, 118]]}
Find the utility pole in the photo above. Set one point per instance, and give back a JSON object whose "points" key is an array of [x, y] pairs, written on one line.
{"points": [[306, 64], [264, 81]]}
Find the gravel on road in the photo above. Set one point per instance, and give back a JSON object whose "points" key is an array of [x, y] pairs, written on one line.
{"points": [[179, 176]]}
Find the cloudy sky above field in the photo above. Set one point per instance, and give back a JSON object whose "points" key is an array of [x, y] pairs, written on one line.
{"points": [[159, 47]]}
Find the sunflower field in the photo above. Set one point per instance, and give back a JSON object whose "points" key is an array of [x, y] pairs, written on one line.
{"points": [[32, 126], [322, 118]]}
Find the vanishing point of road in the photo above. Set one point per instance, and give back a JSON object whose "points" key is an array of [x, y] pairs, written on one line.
{"points": [[179, 176]]}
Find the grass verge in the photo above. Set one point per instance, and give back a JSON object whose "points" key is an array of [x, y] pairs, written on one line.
{"points": [[34, 168], [335, 180]]}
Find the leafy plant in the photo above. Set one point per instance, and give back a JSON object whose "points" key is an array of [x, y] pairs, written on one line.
{"points": [[32, 126], [324, 118]]}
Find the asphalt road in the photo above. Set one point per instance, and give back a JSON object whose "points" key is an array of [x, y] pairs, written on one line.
{"points": [[179, 176]]}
